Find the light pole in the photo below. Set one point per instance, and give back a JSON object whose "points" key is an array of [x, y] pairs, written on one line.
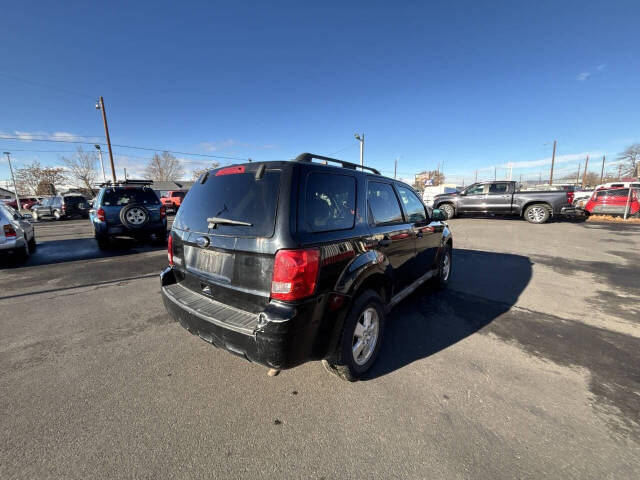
{"points": [[15, 187], [361, 140], [104, 176], [100, 106], [553, 160]]}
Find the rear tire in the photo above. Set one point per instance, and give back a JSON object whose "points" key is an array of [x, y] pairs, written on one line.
{"points": [[103, 242], [361, 338], [537, 213], [32, 244], [448, 210]]}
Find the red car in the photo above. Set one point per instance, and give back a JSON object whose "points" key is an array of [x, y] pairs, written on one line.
{"points": [[173, 199], [613, 201], [26, 203]]}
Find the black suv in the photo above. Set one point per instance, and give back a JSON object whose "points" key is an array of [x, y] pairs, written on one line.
{"points": [[60, 207], [286, 262]]}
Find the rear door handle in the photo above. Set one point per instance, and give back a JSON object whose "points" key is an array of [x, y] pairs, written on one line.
{"points": [[385, 242]]}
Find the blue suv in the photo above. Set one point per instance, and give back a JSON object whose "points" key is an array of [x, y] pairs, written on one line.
{"points": [[131, 209]]}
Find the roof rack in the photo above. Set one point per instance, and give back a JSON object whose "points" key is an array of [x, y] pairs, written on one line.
{"points": [[308, 158], [126, 182]]}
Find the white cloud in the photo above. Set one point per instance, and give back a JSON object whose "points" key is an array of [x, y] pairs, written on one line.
{"points": [[229, 143], [547, 161], [582, 76], [41, 135]]}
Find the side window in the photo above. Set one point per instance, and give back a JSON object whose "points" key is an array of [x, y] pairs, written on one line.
{"points": [[413, 206], [330, 202], [383, 204], [476, 190], [498, 188]]}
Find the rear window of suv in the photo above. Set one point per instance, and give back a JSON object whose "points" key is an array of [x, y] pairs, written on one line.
{"points": [[239, 196], [124, 196]]}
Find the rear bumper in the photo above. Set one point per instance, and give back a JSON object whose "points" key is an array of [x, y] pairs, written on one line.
{"points": [[12, 245], [570, 211], [282, 336], [102, 228]]}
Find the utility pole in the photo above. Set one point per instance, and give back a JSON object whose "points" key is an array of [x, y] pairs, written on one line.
{"points": [[395, 168], [578, 175], [15, 187], [619, 172], [602, 171], [540, 178], [520, 178], [553, 160], [510, 170], [125, 174], [584, 175], [476, 180], [104, 176], [495, 173], [100, 106], [361, 140]]}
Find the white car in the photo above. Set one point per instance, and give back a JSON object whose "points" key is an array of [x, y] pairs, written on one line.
{"points": [[430, 192], [17, 236]]}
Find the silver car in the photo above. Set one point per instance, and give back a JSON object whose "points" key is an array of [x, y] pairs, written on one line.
{"points": [[17, 236]]}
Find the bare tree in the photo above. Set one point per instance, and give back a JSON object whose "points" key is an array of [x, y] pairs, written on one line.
{"points": [[82, 169], [33, 176], [164, 168], [197, 172], [631, 157]]}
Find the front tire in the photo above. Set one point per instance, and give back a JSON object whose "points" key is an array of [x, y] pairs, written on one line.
{"points": [[445, 264], [537, 213], [361, 338], [448, 210]]}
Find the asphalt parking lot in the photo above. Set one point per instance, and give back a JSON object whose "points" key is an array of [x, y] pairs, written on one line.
{"points": [[528, 366]]}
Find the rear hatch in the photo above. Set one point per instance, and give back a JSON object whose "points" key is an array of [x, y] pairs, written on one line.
{"points": [[223, 235]]}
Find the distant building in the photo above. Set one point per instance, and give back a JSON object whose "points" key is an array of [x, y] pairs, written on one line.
{"points": [[6, 194], [162, 188]]}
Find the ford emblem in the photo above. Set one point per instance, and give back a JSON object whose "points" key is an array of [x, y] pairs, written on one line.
{"points": [[202, 242]]}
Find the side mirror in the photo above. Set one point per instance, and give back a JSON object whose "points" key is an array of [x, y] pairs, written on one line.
{"points": [[438, 215]]}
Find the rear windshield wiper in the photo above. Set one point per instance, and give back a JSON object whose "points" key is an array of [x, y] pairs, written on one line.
{"points": [[215, 221]]}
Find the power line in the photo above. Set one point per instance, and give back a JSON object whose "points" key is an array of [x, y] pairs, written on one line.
{"points": [[343, 149], [150, 149], [40, 84]]}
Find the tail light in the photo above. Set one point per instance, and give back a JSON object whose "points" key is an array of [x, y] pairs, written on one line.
{"points": [[570, 196], [170, 250], [163, 212], [295, 274], [9, 231], [100, 215], [64, 208]]}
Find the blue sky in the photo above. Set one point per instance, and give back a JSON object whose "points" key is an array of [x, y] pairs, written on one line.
{"points": [[471, 84]]}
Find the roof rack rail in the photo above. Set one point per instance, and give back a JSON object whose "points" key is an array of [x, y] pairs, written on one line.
{"points": [[308, 158], [127, 182]]}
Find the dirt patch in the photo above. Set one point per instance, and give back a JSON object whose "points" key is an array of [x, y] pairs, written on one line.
{"points": [[612, 219]]}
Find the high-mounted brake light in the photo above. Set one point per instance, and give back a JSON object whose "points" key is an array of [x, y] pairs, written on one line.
{"points": [[230, 171], [100, 214], [9, 231], [295, 274], [170, 250]]}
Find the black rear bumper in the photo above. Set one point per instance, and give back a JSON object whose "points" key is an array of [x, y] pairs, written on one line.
{"points": [[282, 336]]}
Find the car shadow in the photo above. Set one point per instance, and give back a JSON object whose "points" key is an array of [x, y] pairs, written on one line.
{"points": [[483, 286], [70, 250]]}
